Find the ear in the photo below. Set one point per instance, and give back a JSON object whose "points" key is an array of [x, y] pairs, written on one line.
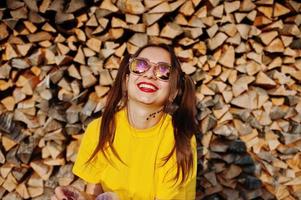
{"points": [[171, 105], [170, 101], [174, 92], [173, 96]]}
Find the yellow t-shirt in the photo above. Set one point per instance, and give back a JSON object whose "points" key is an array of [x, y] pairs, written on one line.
{"points": [[143, 177]]}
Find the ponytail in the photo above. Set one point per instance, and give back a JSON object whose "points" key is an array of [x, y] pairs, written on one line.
{"points": [[187, 106], [185, 126]]}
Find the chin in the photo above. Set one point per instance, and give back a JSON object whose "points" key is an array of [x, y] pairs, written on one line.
{"points": [[149, 101]]}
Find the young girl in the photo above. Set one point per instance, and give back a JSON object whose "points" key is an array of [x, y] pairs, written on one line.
{"points": [[143, 146]]}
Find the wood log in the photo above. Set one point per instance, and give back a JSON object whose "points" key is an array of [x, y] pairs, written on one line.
{"points": [[65, 176], [12, 195], [87, 77], [218, 39], [280, 10], [42, 170], [60, 58], [10, 183], [187, 8], [22, 191], [94, 44]]}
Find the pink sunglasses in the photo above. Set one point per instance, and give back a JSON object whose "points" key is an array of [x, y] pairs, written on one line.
{"points": [[140, 65]]}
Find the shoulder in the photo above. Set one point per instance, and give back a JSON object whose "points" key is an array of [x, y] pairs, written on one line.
{"points": [[94, 123], [93, 129]]}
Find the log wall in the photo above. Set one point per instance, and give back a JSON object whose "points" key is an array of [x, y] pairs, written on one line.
{"points": [[59, 58]]}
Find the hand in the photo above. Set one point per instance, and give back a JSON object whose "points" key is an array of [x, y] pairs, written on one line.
{"points": [[69, 193], [107, 196]]}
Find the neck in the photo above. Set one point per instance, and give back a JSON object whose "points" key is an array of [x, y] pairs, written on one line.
{"points": [[143, 116]]}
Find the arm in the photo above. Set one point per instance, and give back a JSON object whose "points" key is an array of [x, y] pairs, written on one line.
{"points": [[89, 170]]}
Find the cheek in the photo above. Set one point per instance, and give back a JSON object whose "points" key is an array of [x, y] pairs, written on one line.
{"points": [[165, 89], [130, 82], [130, 79]]}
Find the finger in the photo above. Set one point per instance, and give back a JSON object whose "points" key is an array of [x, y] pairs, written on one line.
{"points": [[107, 196], [103, 196], [53, 198], [114, 196], [69, 192], [59, 192]]}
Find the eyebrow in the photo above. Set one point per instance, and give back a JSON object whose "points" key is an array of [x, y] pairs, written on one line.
{"points": [[151, 61]]}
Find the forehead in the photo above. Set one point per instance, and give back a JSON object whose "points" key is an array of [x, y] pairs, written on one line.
{"points": [[155, 54]]}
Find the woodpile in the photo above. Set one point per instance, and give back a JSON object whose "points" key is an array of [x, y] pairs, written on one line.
{"points": [[59, 59]]}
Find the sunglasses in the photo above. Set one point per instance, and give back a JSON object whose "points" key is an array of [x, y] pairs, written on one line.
{"points": [[139, 66]]}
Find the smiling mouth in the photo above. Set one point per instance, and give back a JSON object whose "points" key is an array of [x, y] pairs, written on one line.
{"points": [[147, 87]]}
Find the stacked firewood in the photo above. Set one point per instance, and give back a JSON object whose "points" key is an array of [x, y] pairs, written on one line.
{"points": [[59, 58]]}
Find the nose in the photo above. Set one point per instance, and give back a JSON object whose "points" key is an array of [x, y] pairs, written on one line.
{"points": [[150, 73]]}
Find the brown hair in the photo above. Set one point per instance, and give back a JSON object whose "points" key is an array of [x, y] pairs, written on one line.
{"points": [[182, 109]]}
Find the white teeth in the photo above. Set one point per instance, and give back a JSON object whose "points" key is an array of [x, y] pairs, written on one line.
{"points": [[147, 86]]}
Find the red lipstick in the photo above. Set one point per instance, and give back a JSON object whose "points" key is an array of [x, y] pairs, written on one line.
{"points": [[147, 87]]}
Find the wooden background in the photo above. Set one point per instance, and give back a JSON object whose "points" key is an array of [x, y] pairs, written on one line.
{"points": [[60, 57]]}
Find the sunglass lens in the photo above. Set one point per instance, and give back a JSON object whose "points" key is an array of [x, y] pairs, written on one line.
{"points": [[139, 66], [163, 71]]}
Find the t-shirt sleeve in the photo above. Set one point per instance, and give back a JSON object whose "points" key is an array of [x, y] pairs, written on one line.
{"points": [[167, 189], [89, 171]]}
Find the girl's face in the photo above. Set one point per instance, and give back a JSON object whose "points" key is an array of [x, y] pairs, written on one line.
{"points": [[147, 88]]}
